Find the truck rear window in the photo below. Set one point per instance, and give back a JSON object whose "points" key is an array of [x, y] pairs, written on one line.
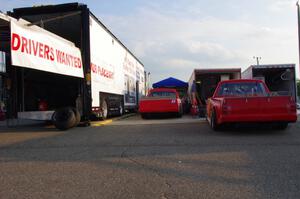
{"points": [[163, 94], [242, 89]]}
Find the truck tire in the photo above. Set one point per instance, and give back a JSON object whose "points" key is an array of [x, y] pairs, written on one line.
{"points": [[77, 116], [145, 115], [64, 118], [213, 121], [104, 108], [282, 125]]}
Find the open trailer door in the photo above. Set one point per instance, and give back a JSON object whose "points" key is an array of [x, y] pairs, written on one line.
{"points": [[43, 68]]}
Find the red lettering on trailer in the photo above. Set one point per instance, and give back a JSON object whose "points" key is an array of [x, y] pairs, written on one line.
{"points": [[101, 71], [51, 54], [35, 48], [42, 50], [30, 47], [24, 45], [46, 52], [67, 59], [93, 68], [15, 41]]}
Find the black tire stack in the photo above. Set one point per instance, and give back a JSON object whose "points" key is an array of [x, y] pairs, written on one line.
{"points": [[66, 118]]}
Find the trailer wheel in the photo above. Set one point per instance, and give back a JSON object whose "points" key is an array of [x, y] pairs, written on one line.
{"points": [[121, 109], [64, 118], [77, 116], [104, 109], [213, 121]]}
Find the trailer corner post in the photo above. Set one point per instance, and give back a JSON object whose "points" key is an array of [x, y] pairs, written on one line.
{"points": [[298, 21], [23, 90], [87, 104]]}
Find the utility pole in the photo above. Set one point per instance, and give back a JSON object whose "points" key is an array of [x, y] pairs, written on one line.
{"points": [[257, 60]]}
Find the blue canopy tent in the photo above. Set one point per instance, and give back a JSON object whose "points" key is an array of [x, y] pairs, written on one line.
{"points": [[170, 83]]}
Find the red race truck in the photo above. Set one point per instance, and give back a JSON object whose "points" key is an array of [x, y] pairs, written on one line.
{"points": [[240, 101], [159, 101]]}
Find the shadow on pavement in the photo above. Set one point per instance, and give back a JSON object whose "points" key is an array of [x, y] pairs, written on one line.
{"points": [[180, 153]]}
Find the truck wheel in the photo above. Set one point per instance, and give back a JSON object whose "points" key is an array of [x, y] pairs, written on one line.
{"points": [[64, 118], [104, 109], [282, 126], [178, 115], [213, 121], [144, 115], [77, 116]]}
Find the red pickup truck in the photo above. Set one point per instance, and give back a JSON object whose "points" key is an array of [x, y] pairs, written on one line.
{"points": [[239, 101], [160, 100]]}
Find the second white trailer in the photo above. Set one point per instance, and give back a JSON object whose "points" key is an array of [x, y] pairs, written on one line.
{"points": [[117, 77], [280, 78]]}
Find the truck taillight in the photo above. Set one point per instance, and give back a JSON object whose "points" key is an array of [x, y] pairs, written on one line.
{"points": [[173, 101], [224, 107], [291, 107]]}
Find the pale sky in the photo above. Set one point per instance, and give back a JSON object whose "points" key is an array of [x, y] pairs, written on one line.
{"points": [[172, 38]]}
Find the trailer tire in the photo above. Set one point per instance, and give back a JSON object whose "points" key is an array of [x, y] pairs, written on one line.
{"points": [[104, 108], [121, 109], [64, 118], [77, 116]]}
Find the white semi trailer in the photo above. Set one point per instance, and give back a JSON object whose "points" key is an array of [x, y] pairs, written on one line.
{"points": [[113, 78], [117, 76]]}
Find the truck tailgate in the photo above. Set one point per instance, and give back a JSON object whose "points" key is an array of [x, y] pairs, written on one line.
{"points": [[241, 106], [258, 109], [158, 104], [279, 108]]}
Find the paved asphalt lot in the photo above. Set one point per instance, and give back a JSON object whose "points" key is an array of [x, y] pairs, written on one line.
{"points": [[164, 158]]}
